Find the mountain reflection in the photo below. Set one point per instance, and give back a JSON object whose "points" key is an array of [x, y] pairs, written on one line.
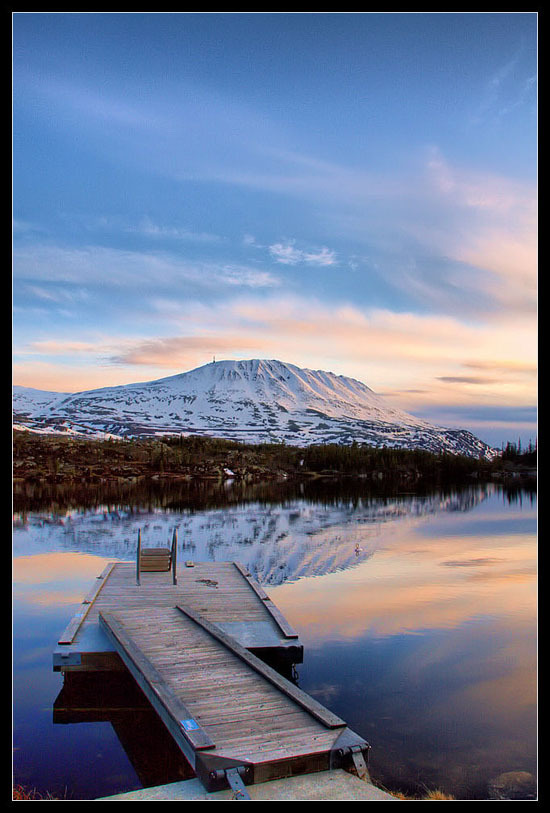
{"points": [[298, 532]]}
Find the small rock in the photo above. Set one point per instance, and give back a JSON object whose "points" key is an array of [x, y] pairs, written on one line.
{"points": [[513, 785]]}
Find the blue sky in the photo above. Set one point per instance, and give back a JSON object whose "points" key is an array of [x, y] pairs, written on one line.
{"points": [[351, 192]]}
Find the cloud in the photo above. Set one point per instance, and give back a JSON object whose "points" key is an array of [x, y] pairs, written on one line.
{"points": [[487, 223], [448, 236], [54, 348], [480, 413], [288, 254], [452, 237], [475, 562], [505, 90], [400, 355], [515, 367], [523, 96], [148, 228], [130, 271], [465, 379], [183, 352], [404, 351], [57, 294]]}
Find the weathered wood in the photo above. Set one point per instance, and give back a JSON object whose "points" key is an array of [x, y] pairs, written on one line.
{"points": [[155, 552], [217, 590], [155, 560], [232, 599], [272, 609], [168, 705], [250, 718], [222, 705], [300, 697], [70, 631], [100, 582]]}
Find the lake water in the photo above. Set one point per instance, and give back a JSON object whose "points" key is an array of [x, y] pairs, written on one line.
{"points": [[417, 613]]}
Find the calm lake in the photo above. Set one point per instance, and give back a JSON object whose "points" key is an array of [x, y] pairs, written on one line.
{"points": [[417, 612]]}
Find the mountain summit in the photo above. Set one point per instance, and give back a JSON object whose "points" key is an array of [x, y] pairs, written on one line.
{"points": [[256, 400]]}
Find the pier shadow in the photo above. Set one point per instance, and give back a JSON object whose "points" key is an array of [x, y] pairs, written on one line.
{"points": [[115, 697]]}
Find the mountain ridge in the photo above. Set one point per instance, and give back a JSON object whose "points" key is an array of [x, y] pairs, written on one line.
{"points": [[253, 400]]}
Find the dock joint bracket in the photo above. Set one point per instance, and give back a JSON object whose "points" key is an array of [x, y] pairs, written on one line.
{"points": [[355, 757], [235, 778]]}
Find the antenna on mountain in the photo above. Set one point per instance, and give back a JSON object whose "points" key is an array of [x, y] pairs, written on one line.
{"points": [[213, 359]]}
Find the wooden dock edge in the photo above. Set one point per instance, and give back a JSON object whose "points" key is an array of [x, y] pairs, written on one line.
{"points": [[77, 620], [272, 608], [178, 719]]}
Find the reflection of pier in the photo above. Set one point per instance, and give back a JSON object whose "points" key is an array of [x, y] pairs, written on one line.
{"points": [[189, 644], [88, 697]]}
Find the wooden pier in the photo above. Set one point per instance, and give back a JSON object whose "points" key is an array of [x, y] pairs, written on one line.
{"points": [[199, 648], [224, 592]]}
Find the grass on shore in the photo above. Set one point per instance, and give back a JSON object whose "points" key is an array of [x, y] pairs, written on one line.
{"points": [[22, 794], [434, 795], [431, 796]]}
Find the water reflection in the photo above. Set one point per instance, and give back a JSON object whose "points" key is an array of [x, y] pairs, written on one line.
{"points": [[277, 541], [87, 697], [417, 614]]}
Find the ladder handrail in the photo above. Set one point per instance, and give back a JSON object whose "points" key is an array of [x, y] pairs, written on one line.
{"points": [[138, 562], [174, 556]]}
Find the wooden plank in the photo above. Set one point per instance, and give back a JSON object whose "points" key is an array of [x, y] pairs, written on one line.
{"points": [[322, 714], [244, 712], [155, 567], [272, 609], [76, 621], [155, 555], [170, 708], [100, 583], [155, 551]]}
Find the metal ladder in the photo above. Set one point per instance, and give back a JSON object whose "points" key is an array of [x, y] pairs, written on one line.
{"points": [[157, 559]]}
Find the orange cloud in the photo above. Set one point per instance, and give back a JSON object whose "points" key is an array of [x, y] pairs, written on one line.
{"points": [[386, 350]]}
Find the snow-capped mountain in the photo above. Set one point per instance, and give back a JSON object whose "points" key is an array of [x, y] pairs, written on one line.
{"points": [[253, 401]]}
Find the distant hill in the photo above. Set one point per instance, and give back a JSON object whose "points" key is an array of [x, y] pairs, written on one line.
{"points": [[254, 401]]}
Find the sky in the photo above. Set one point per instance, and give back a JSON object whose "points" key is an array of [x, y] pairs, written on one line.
{"points": [[352, 192]]}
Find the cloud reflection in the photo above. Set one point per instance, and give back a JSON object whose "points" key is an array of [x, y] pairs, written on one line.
{"points": [[410, 588], [55, 579]]}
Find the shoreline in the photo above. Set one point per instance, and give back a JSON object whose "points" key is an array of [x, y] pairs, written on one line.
{"points": [[61, 460]]}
